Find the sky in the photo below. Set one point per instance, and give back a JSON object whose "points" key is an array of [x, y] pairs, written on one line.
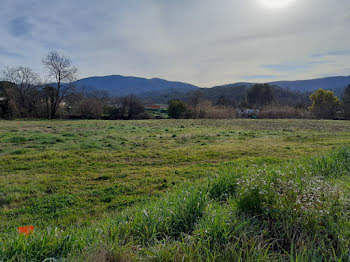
{"points": [[202, 42]]}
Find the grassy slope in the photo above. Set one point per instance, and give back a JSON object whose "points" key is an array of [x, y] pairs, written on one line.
{"points": [[52, 173]]}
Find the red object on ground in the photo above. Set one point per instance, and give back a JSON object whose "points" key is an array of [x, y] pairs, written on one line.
{"points": [[26, 230]]}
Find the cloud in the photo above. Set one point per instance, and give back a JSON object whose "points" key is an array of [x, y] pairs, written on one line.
{"points": [[296, 67], [333, 53], [203, 42], [258, 77], [19, 26], [287, 67], [4, 52]]}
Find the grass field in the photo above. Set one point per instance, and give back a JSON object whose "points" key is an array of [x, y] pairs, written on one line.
{"points": [[69, 175]]}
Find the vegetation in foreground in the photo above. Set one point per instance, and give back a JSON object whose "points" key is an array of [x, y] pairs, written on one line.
{"points": [[236, 190], [297, 211]]}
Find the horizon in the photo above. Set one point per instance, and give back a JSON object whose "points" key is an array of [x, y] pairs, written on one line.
{"points": [[199, 42], [252, 82]]}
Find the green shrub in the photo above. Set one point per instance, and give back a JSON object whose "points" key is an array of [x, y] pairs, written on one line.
{"points": [[251, 203], [173, 216], [223, 187], [335, 164]]}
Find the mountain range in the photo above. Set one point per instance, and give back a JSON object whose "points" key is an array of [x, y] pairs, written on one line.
{"points": [[335, 83], [118, 85]]}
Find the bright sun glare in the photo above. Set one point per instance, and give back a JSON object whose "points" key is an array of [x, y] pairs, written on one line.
{"points": [[276, 3]]}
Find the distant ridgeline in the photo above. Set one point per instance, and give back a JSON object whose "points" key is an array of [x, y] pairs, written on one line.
{"points": [[117, 85], [119, 97], [161, 91]]}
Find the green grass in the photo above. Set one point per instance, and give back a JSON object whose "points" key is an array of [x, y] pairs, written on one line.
{"points": [[203, 190], [264, 213]]}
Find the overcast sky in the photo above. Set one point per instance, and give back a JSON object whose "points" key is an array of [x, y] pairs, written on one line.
{"points": [[203, 42]]}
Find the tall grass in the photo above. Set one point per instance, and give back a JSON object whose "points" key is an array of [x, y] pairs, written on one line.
{"points": [[299, 211], [280, 112], [170, 217]]}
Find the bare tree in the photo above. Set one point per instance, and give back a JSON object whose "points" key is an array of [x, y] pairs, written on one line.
{"points": [[90, 108], [27, 90], [59, 68], [132, 108], [196, 98]]}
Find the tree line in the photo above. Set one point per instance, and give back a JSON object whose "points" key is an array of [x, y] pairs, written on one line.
{"points": [[26, 95], [265, 101], [23, 94]]}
